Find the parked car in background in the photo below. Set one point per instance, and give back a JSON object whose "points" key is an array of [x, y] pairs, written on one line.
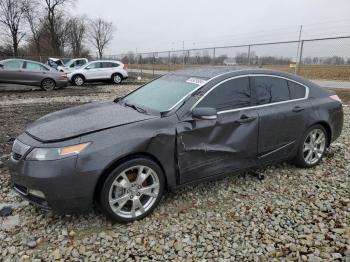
{"points": [[72, 65], [102, 70], [26, 72], [54, 62], [183, 128]]}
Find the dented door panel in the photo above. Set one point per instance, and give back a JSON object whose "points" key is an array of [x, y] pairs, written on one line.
{"points": [[211, 147]]}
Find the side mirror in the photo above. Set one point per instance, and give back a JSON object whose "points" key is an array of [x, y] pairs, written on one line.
{"points": [[205, 113]]}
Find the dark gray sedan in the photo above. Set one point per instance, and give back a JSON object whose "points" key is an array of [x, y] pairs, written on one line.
{"points": [[25, 72], [182, 128]]}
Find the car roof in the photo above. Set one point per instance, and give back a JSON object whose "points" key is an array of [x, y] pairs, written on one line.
{"points": [[207, 71], [220, 73]]}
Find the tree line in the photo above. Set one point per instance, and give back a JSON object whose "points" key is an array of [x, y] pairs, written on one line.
{"points": [[203, 58], [35, 28]]}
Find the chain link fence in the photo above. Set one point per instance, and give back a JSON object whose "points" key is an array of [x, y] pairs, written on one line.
{"points": [[323, 58]]}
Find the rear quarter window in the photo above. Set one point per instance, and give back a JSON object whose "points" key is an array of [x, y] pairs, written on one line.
{"points": [[296, 90]]}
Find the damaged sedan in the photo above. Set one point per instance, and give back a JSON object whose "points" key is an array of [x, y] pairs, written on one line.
{"points": [[183, 128]]}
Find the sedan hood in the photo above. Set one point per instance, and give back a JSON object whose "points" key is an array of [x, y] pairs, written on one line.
{"points": [[84, 119]]}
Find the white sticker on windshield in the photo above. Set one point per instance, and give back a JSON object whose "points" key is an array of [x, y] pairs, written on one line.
{"points": [[196, 81]]}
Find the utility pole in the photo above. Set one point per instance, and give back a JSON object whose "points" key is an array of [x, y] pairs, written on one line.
{"points": [[297, 62], [183, 54]]}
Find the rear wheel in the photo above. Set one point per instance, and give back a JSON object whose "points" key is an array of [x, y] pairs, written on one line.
{"points": [[312, 147], [48, 84], [117, 78], [78, 80], [132, 190]]}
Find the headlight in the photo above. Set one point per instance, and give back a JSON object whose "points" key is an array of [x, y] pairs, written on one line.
{"points": [[56, 153]]}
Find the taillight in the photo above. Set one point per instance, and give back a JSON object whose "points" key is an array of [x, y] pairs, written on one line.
{"points": [[335, 97], [64, 77], [125, 66]]}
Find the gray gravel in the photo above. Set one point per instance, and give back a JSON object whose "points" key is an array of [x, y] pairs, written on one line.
{"points": [[293, 214]]}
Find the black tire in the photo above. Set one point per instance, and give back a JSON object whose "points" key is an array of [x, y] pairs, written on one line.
{"points": [[107, 186], [300, 158], [78, 80], [48, 84], [117, 78]]}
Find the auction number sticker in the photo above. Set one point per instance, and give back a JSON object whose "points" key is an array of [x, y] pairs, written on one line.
{"points": [[196, 81]]}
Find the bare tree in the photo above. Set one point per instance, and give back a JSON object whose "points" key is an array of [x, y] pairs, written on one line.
{"points": [[11, 14], [101, 34], [56, 24], [76, 29], [32, 14]]}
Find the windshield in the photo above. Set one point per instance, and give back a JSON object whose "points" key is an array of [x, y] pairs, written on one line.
{"points": [[65, 61], [164, 93]]}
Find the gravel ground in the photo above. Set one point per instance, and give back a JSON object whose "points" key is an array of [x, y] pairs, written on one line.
{"points": [[293, 214]]}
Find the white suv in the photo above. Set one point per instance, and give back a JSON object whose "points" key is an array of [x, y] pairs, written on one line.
{"points": [[72, 65], [114, 71]]}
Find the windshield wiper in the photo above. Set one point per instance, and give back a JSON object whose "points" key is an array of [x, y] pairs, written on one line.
{"points": [[137, 108]]}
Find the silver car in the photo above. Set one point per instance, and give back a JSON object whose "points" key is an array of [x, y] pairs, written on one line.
{"points": [[26, 72]]}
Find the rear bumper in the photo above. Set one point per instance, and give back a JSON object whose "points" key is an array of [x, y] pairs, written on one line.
{"points": [[337, 123], [65, 189]]}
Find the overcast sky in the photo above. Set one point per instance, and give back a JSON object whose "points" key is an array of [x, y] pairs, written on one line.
{"points": [[156, 25]]}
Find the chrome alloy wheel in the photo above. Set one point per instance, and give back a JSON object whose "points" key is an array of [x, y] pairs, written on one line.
{"points": [[134, 191], [314, 146]]}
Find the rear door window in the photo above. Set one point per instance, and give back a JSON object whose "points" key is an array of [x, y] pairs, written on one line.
{"points": [[270, 89], [106, 65], [296, 90], [232, 94], [34, 67]]}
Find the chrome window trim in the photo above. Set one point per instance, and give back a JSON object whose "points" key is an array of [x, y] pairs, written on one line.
{"points": [[257, 106]]}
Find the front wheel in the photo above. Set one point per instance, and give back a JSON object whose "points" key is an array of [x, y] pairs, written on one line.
{"points": [[78, 80], [132, 190], [312, 147]]}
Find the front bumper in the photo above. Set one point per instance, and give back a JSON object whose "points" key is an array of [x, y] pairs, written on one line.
{"points": [[66, 190]]}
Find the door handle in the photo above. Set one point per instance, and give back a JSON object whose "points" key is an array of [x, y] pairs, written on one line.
{"points": [[245, 119], [297, 109]]}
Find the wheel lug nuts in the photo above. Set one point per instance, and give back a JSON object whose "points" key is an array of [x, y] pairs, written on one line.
{"points": [[138, 194], [131, 196], [139, 187]]}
